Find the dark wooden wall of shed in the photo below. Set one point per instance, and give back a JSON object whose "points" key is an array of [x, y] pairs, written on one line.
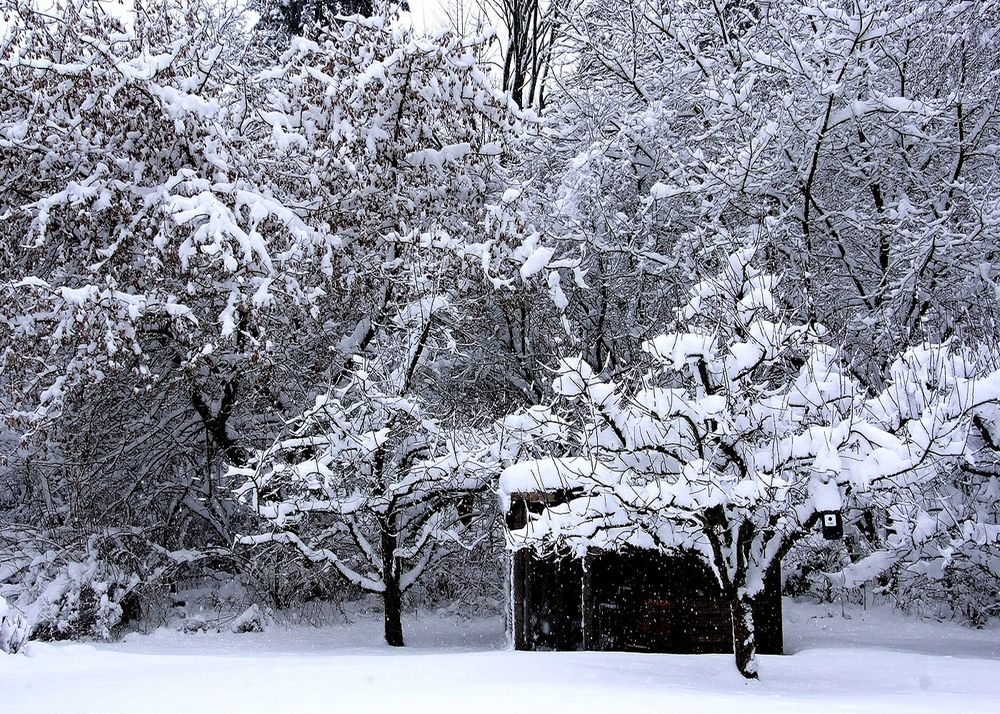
{"points": [[646, 602], [633, 601], [546, 592]]}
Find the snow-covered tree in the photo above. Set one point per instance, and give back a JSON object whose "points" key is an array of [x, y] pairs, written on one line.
{"points": [[747, 427], [376, 480], [124, 311], [372, 483], [865, 126], [208, 238], [840, 134], [193, 250]]}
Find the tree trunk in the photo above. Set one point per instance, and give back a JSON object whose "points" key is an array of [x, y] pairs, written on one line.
{"points": [[744, 637], [392, 596]]}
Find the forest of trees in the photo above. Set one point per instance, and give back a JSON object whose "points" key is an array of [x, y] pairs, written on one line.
{"points": [[284, 291]]}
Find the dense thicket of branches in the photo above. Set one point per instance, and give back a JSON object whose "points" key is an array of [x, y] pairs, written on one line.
{"points": [[299, 17], [282, 306]]}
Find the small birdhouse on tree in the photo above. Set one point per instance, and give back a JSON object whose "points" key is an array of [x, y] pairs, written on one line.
{"points": [[833, 525]]}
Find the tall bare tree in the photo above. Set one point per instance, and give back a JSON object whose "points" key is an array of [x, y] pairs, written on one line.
{"points": [[532, 29]]}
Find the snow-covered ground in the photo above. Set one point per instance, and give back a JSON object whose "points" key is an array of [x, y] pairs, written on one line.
{"points": [[875, 661]]}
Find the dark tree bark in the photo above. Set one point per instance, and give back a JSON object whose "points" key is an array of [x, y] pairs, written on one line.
{"points": [[392, 596], [744, 636], [297, 17], [533, 29]]}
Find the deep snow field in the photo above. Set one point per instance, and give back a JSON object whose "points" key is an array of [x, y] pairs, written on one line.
{"points": [[874, 661]]}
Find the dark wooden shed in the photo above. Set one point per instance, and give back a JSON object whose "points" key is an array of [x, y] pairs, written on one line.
{"points": [[629, 600]]}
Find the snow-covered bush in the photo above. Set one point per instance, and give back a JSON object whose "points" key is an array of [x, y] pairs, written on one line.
{"points": [[13, 628], [80, 603], [67, 592], [253, 619], [282, 579]]}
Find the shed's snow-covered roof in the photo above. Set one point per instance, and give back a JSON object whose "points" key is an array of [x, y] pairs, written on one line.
{"points": [[553, 474]]}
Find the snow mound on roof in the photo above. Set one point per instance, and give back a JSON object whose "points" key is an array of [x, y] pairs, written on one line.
{"points": [[553, 474]]}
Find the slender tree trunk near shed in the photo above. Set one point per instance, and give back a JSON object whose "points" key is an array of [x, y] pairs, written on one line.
{"points": [[392, 596], [744, 637]]}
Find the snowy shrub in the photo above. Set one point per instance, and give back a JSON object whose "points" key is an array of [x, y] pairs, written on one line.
{"points": [[805, 570], [82, 600], [194, 625], [253, 619], [280, 578], [965, 589], [66, 592], [83, 608], [13, 628]]}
